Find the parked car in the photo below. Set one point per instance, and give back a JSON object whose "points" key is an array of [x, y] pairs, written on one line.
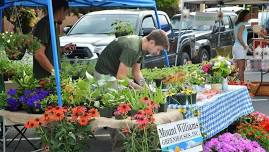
{"points": [[199, 43], [93, 31]]}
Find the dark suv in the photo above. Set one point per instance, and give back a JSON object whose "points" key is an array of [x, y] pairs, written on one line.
{"points": [[199, 43]]}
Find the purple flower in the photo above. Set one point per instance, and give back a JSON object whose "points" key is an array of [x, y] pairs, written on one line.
{"points": [[12, 92], [27, 92], [230, 143], [12, 104]]}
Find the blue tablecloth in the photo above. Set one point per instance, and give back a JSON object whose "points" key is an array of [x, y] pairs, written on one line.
{"points": [[221, 110]]}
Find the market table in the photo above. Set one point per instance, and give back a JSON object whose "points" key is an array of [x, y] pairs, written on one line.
{"points": [[220, 111], [16, 119]]}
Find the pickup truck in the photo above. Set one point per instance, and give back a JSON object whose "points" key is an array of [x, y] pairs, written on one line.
{"points": [[93, 31], [199, 43]]}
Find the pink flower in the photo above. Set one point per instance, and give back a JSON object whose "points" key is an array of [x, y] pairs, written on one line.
{"points": [[123, 109], [206, 67]]}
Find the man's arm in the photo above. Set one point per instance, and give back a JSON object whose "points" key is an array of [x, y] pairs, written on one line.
{"points": [[138, 77], [42, 59], [123, 73]]}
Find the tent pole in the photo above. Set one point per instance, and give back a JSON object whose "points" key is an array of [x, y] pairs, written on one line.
{"points": [[166, 60], [54, 51], [2, 2], [1, 21]]}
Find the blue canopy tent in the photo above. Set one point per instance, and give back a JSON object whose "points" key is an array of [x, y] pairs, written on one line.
{"points": [[151, 4]]}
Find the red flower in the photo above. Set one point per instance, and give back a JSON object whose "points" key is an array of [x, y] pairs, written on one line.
{"points": [[148, 111], [125, 131], [139, 114], [144, 99], [123, 109], [83, 121], [93, 112], [31, 124]]}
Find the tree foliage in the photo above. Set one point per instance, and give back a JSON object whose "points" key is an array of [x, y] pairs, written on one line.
{"points": [[169, 6]]}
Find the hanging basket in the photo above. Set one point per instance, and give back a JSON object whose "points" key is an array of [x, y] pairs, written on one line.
{"points": [[15, 54]]}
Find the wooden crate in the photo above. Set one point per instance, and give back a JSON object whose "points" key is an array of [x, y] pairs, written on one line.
{"points": [[263, 90]]}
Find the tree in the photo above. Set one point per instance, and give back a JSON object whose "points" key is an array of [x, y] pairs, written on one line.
{"points": [[171, 7]]}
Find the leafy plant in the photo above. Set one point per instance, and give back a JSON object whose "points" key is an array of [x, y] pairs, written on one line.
{"points": [[158, 73], [15, 44], [63, 133], [3, 99], [217, 69], [255, 127], [122, 28]]}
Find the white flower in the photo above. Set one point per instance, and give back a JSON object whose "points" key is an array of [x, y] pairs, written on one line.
{"points": [[8, 41]]}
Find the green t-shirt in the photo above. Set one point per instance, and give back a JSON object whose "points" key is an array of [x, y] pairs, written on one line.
{"points": [[42, 32], [126, 49]]}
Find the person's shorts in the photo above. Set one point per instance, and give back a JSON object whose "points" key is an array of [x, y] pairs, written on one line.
{"points": [[239, 52]]}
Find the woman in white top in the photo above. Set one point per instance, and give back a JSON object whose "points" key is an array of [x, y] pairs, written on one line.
{"points": [[240, 46]]}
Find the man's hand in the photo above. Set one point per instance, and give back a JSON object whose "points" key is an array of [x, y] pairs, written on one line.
{"points": [[69, 48]]}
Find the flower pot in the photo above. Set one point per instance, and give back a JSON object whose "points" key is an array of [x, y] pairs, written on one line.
{"points": [[18, 56], [163, 107], [33, 110], [182, 99], [132, 112], [106, 112], [225, 84], [216, 86]]}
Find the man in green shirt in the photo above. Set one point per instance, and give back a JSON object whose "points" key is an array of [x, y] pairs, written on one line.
{"points": [[43, 58], [128, 52]]}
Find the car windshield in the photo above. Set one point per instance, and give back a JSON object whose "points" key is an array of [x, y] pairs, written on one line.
{"points": [[189, 24], [101, 23]]}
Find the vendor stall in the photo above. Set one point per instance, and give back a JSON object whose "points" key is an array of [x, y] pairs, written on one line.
{"points": [[220, 111]]}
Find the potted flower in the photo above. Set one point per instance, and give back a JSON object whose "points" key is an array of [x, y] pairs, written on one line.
{"points": [[217, 70], [16, 44], [122, 28], [232, 142], [157, 75], [255, 127], [64, 129], [142, 136]]}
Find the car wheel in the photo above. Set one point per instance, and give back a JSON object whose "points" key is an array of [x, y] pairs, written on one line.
{"points": [[203, 56], [184, 58]]}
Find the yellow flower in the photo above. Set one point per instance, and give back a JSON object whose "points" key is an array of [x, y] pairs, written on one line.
{"points": [[177, 149], [182, 110], [170, 93]]}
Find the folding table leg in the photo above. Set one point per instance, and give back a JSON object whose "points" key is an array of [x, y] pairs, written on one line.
{"points": [[22, 134]]}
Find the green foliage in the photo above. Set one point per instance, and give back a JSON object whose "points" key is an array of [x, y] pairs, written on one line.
{"points": [[3, 99], [27, 82], [142, 140], [194, 74], [122, 28], [158, 73], [15, 44], [77, 69], [171, 7]]}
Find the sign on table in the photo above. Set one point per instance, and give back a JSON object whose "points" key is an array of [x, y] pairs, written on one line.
{"points": [[181, 136]]}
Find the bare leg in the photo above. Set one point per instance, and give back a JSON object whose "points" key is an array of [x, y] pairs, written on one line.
{"points": [[240, 64]]}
